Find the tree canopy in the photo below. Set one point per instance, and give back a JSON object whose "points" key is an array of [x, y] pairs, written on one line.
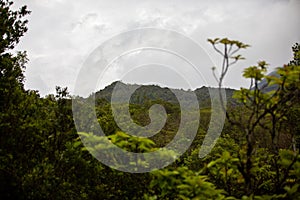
{"points": [[42, 155]]}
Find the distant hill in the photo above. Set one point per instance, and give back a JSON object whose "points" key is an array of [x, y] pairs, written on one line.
{"points": [[153, 92], [263, 85]]}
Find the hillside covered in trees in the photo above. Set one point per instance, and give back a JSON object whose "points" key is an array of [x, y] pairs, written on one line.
{"points": [[42, 155], [146, 93]]}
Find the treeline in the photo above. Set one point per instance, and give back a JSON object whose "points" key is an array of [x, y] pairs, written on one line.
{"points": [[146, 93]]}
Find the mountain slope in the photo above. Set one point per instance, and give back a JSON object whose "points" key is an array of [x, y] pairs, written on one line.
{"points": [[146, 93]]}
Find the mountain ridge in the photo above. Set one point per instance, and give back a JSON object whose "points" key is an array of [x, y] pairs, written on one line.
{"points": [[146, 93]]}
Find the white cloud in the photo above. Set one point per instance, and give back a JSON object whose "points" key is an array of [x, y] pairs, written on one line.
{"points": [[62, 33]]}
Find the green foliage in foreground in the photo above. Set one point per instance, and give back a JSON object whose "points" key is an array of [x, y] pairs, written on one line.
{"points": [[42, 156]]}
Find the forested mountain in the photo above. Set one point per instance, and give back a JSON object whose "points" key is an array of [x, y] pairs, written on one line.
{"points": [[146, 93]]}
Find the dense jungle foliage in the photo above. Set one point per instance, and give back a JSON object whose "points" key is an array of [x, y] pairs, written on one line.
{"points": [[42, 156]]}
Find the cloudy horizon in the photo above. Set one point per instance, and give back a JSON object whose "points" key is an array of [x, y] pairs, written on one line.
{"points": [[63, 33]]}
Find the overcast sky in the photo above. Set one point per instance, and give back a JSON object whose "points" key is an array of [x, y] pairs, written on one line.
{"points": [[63, 33]]}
